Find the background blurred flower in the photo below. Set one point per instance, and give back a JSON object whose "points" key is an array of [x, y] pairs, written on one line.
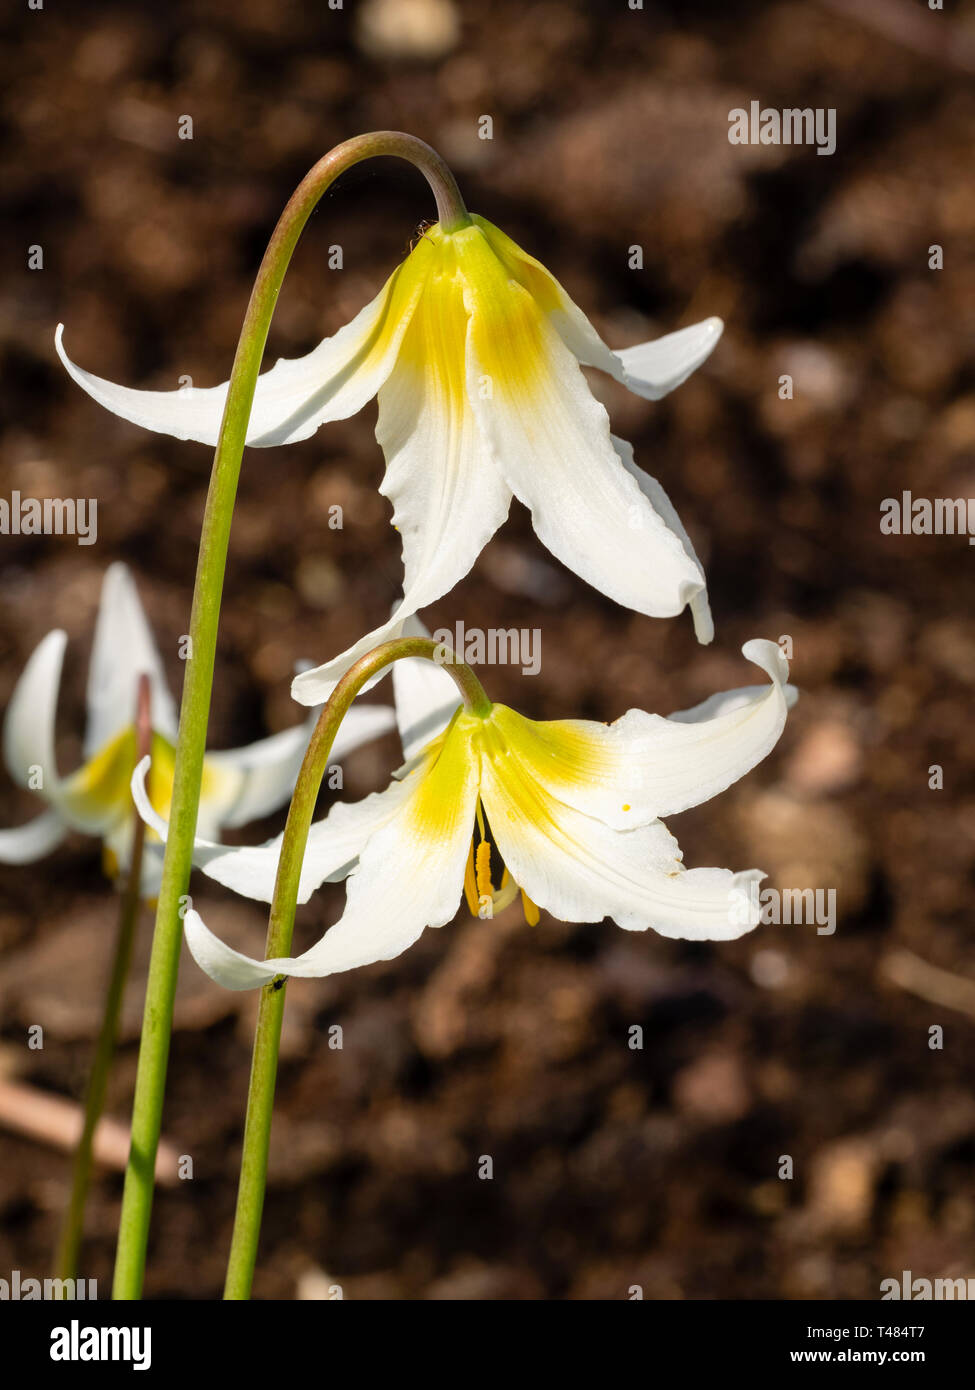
{"points": [[239, 785]]}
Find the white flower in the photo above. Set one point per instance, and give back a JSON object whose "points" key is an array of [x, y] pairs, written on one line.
{"points": [[570, 807], [474, 350], [238, 785]]}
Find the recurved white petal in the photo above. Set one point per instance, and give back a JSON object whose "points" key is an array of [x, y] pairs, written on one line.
{"points": [[26, 843], [650, 369], [644, 766], [552, 442], [297, 395], [675, 763], [409, 876], [221, 962], [581, 870], [727, 701], [653, 369], [28, 726], [661, 503], [123, 649]]}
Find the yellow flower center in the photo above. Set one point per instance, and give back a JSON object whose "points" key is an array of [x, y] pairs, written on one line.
{"points": [[473, 296], [100, 790]]}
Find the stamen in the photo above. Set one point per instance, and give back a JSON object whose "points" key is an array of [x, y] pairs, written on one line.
{"points": [[507, 892], [530, 910], [470, 882], [485, 887]]}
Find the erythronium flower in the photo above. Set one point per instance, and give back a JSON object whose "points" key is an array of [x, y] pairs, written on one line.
{"points": [[474, 350], [572, 808], [239, 785]]}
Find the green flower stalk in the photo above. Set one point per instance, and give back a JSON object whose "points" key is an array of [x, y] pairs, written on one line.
{"points": [[72, 1231], [195, 708], [267, 1038]]}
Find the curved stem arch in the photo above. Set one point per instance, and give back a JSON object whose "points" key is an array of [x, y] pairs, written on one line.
{"points": [[267, 1036], [204, 618]]}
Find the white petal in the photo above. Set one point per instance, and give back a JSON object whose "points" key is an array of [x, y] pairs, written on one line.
{"points": [[426, 697], [261, 777], [675, 764], [221, 962], [644, 766], [122, 651], [314, 686], [409, 877], [581, 870], [726, 701], [26, 843], [448, 498], [653, 369], [28, 727], [650, 369], [658, 499], [448, 495], [552, 442], [361, 725], [297, 395], [332, 849]]}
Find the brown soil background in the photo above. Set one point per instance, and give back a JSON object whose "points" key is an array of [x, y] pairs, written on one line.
{"points": [[612, 1167]]}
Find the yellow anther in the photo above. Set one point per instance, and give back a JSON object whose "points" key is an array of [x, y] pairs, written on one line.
{"points": [[626, 807], [530, 910], [470, 882], [109, 862], [482, 869]]}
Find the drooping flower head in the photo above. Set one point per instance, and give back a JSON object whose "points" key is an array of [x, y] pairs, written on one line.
{"points": [[239, 785], [491, 804], [475, 352]]}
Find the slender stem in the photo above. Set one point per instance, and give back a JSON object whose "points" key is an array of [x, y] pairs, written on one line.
{"points": [[267, 1037], [72, 1230], [195, 708]]}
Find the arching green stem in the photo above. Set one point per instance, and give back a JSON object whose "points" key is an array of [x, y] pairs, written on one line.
{"points": [[267, 1037], [195, 707], [68, 1251]]}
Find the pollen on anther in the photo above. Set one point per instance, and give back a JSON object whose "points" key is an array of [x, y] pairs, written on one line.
{"points": [[627, 807], [482, 869]]}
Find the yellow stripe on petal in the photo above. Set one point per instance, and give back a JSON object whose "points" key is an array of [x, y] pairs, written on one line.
{"points": [[402, 289], [540, 283], [218, 787], [451, 762], [470, 882], [566, 755], [94, 797], [98, 796], [506, 334]]}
